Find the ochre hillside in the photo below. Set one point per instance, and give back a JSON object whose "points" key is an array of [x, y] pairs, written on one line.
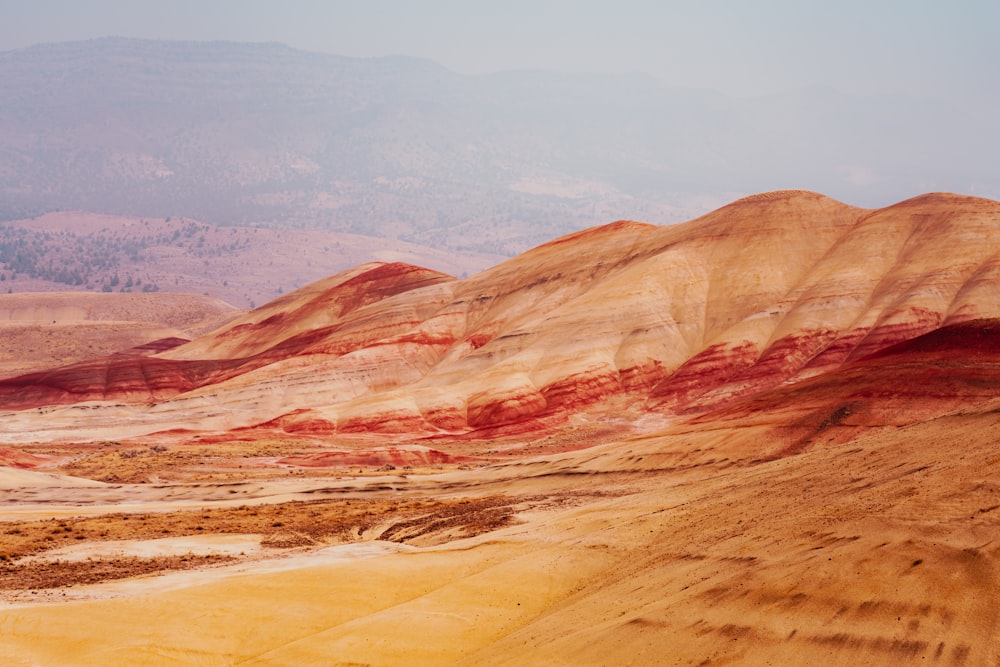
{"points": [[42, 330], [770, 290], [768, 436]]}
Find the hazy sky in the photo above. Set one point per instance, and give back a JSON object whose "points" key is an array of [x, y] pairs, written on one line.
{"points": [[927, 48]]}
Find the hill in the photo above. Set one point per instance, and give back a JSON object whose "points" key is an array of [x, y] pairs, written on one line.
{"points": [[770, 290], [765, 436], [39, 331]]}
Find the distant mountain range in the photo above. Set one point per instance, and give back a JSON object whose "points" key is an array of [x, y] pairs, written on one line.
{"points": [[399, 147]]}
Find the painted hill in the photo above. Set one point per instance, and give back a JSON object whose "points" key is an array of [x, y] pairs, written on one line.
{"points": [[783, 418], [39, 331], [771, 290]]}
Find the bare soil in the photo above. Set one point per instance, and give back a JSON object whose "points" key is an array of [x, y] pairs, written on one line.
{"points": [[282, 526]]}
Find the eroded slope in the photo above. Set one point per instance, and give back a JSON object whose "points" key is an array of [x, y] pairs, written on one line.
{"points": [[771, 289]]}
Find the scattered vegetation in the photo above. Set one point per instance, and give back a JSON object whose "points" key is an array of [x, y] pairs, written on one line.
{"points": [[64, 573], [282, 526], [96, 260]]}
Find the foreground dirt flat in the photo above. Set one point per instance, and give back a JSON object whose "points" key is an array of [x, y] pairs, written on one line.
{"points": [[653, 551]]}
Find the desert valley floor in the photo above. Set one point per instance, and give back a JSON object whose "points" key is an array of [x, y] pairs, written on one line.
{"points": [[769, 436]]}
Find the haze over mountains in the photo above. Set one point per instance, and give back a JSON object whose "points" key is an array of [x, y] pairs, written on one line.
{"points": [[400, 147]]}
